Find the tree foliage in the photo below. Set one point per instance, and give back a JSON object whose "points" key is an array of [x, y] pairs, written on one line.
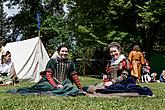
{"points": [[53, 26], [89, 25], [3, 26], [129, 22]]}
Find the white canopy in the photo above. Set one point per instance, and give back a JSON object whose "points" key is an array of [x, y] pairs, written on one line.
{"points": [[29, 57]]}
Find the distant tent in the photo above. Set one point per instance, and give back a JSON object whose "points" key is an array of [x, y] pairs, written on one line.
{"points": [[29, 57], [55, 54]]}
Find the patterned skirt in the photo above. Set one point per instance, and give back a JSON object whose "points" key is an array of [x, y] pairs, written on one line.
{"points": [[5, 80]]}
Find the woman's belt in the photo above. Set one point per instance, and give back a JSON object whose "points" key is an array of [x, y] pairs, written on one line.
{"points": [[135, 59], [3, 74]]}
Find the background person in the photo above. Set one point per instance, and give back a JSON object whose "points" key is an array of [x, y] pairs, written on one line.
{"points": [[137, 60], [145, 77], [162, 76], [7, 70]]}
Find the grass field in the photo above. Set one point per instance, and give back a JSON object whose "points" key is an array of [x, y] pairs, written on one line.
{"points": [[34, 102]]}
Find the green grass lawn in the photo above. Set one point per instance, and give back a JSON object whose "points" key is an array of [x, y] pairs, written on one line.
{"points": [[34, 102]]}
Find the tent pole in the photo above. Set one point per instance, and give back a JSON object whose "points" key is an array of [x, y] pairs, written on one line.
{"points": [[39, 34]]}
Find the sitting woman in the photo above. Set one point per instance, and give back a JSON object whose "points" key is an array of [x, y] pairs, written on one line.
{"points": [[145, 77], [117, 78], [118, 68], [162, 76], [57, 78], [7, 70], [60, 68]]}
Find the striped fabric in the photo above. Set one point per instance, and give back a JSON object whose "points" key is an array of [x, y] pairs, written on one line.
{"points": [[77, 81], [57, 71], [120, 72], [50, 79], [60, 69]]}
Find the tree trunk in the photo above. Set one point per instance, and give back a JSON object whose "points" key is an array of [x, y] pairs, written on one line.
{"points": [[84, 67], [149, 41]]}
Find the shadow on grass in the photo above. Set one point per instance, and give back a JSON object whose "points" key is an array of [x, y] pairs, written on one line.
{"points": [[94, 76]]}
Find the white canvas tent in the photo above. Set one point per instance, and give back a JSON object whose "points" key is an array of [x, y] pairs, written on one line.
{"points": [[29, 57], [55, 54]]}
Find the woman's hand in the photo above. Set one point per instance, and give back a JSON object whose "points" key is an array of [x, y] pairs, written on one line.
{"points": [[109, 69], [59, 86], [108, 83]]}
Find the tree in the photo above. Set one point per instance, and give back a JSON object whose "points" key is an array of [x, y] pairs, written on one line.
{"points": [[96, 23], [92, 24], [2, 24], [53, 26], [151, 25]]}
